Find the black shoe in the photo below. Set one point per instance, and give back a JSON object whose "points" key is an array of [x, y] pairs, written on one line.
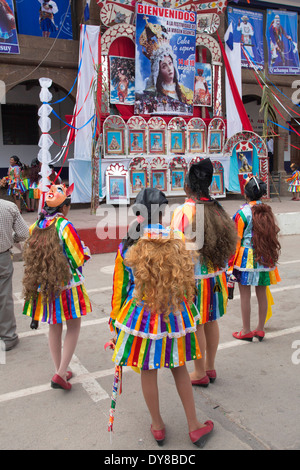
{"points": [[11, 344]]}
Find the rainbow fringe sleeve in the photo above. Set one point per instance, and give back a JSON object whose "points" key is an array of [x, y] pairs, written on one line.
{"points": [[73, 247], [240, 224], [183, 217], [120, 284]]}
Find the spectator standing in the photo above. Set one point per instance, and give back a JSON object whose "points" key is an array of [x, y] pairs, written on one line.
{"points": [[13, 229]]}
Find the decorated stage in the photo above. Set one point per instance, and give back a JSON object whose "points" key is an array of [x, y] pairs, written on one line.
{"points": [[145, 135]]}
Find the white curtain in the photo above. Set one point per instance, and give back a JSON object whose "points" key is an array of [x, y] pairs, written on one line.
{"points": [[88, 58], [234, 124]]}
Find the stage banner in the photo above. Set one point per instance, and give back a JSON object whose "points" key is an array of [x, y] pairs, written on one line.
{"points": [[248, 31], [282, 41], [45, 18], [164, 60], [8, 34]]}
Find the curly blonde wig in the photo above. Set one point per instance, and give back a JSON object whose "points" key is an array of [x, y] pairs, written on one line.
{"points": [[46, 270], [164, 274]]}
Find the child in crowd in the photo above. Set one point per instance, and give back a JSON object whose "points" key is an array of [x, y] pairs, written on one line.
{"points": [[203, 219], [153, 315], [14, 181], [34, 178], [54, 288], [294, 180], [257, 253]]}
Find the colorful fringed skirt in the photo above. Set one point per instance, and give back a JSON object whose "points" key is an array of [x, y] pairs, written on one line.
{"points": [[146, 341], [26, 183], [211, 298], [34, 192], [72, 303], [294, 187], [249, 272], [16, 188]]}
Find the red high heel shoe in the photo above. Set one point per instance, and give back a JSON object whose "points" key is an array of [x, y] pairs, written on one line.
{"points": [[212, 375], [69, 374], [204, 382], [259, 334], [58, 382], [199, 437], [246, 337], [159, 435]]}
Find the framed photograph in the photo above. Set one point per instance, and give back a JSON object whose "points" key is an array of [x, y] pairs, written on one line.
{"points": [[196, 142], [137, 142], [117, 187], [245, 161], [159, 179], [177, 141], [114, 141], [156, 141], [139, 174], [217, 185], [215, 141], [177, 177], [138, 180], [122, 80]]}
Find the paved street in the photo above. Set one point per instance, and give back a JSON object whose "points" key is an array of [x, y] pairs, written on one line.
{"points": [[254, 401]]}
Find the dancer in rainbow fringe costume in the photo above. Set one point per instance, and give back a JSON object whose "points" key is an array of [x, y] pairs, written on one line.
{"points": [[14, 181], [202, 218], [153, 314], [257, 253], [294, 182], [53, 283]]}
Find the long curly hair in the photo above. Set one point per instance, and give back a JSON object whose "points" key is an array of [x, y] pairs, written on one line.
{"points": [[265, 234], [220, 236], [47, 269], [163, 272]]}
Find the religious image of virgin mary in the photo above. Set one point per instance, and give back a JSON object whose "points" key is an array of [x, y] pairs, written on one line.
{"points": [[164, 77]]}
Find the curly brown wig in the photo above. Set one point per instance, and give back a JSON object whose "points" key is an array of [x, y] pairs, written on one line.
{"points": [[265, 232], [220, 236], [47, 269], [164, 274]]}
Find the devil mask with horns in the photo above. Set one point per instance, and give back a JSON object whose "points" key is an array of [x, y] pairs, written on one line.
{"points": [[57, 197]]}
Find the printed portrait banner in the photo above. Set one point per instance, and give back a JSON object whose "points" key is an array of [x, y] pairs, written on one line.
{"points": [[203, 85], [122, 75], [8, 33], [282, 41], [164, 60], [248, 30], [45, 18]]}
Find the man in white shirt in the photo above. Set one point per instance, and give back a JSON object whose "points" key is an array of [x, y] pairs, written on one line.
{"points": [[13, 229]]}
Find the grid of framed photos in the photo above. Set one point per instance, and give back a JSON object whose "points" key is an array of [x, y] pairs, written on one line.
{"points": [[156, 138], [167, 175], [158, 155]]}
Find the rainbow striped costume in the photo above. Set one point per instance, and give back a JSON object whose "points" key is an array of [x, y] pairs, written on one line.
{"points": [[294, 180], [244, 267], [73, 301], [211, 284], [144, 340], [15, 182]]}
